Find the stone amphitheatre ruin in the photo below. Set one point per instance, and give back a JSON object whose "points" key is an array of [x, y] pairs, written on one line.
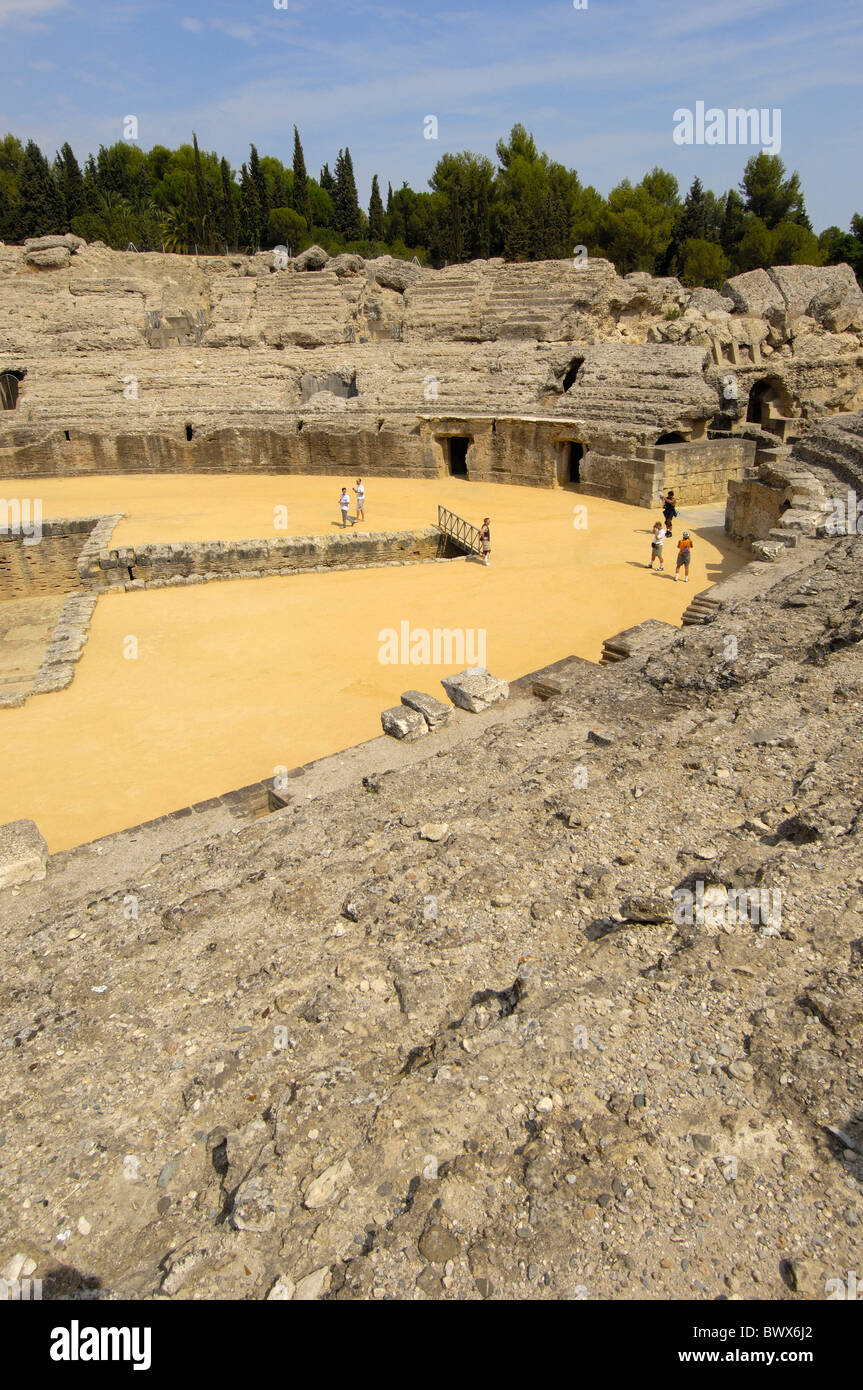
{"points": [[418, 1019]]}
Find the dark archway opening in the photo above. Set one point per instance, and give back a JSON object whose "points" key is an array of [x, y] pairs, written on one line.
{"points": [[760, 397], [671, 437], [574, 455], [10, 384], [458, 447], [572, 372], [189, 433]]}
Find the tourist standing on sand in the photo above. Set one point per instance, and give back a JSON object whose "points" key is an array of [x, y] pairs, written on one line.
{"points": [[485, 542], [669, 510], [684, 555], [659, 534], [361, 499], [344, 504]]}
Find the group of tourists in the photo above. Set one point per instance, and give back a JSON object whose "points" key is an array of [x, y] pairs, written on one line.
{"points": [[345, 504], [360, 490], [662, 531]]}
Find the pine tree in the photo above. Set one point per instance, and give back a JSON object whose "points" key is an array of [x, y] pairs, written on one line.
{"points": [[227, 219], [389, 200], [376, 213], [301, 202], [326, 181], [41, 200], [347, 208], [263, 202]]}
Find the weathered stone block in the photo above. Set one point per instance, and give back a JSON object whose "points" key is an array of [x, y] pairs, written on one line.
{"points": [[475, 690], [54, 258], [401, 722], [23, 853], [434, 712]]}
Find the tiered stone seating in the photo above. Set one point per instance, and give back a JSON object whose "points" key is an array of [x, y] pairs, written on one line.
{"points": [[835, 450], [446, 306], [639, 385]]}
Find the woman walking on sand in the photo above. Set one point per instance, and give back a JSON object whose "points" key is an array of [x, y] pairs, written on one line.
{"points": [[684, 555], [669, 510], [656, 544]]}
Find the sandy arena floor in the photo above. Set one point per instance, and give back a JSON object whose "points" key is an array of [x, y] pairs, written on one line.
{"points": [[235, 679]]}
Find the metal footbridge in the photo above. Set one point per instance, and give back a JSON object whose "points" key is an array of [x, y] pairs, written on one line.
{"points": [[459, 531]]}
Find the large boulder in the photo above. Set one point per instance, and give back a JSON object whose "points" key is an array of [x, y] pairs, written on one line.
{"points": [[393, 274], [706, 301], [53, 258], [475, 690], [50, 243], [838, 303], [23, 853], [754, 293], [313, 258], [641, 293], [798, 285], [347, 264]]}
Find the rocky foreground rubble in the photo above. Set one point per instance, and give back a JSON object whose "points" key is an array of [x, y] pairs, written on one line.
{"points": [[533, 1054]]}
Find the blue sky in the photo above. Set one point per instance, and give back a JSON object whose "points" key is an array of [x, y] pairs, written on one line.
{"points": [[597, 86]]}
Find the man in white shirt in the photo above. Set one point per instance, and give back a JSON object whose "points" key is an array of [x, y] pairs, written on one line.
{"points": [[344, 505], [361, 499], [657, 539]]}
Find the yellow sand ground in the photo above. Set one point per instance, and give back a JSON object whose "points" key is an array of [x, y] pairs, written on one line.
{"points": [[237, 678]]}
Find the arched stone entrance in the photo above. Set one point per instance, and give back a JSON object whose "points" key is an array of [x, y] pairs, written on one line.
{"points": [[10, 384], [769, 405]]}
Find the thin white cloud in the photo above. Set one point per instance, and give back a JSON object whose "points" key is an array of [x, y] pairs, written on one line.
{"points": [[244, 32], [194, 26], [26, 11]]}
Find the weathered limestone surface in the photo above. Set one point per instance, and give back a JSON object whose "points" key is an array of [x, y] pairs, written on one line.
{"points": [[42, 557], [401, 722], [782, 501], [435, 713], [23, 853], [442, 1020], [171, 363], [475, 690], [176, 562]]}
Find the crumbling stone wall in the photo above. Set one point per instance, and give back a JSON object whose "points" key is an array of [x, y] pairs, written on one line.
{"points": [[31, 565], [778, 504], [155, 565], [701, 471]]}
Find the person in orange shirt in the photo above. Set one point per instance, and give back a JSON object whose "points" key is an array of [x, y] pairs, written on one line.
{"points": [[684, 555]]}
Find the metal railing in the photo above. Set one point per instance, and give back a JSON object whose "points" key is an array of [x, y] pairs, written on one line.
{"points": [[459, 530]]}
